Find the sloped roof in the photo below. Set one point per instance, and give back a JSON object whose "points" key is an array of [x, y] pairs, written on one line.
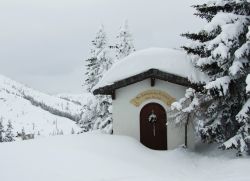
{"points": [[160, 63]]}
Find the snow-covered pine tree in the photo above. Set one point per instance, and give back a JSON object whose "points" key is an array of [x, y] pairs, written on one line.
{"points": [[222, 51], [23, 134], [9, 136], [97, 114], [241, 140], [98, 44], [124, 42], [104, 119], [61, 132], [99, 60], [72, 131], [1, 130], [99, 111]]}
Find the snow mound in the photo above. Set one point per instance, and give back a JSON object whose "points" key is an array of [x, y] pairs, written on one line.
{"points": [[167, 60], [98, 157]]}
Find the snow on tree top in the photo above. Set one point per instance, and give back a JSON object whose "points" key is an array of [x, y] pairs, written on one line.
{"points": [[164, 59]]}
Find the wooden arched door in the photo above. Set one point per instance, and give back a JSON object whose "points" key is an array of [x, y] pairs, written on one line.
{"points": [[153, 128]]}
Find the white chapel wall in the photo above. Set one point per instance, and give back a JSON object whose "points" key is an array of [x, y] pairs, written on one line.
{"points": [[127, 116]]}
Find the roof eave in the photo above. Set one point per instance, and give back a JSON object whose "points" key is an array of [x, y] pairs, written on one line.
{"points": [[151, 73]]}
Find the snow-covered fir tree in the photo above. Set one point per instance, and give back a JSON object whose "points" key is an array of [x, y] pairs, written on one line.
{"points": [[1, 130], [104, 109], [124, 42], [97, 115], [72, 131], [60, 133], [23, 134], [222, 51], [9, 136], [99, 60]]}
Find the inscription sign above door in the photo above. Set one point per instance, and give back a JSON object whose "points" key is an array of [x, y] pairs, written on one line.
{"points": [[152, 94]]}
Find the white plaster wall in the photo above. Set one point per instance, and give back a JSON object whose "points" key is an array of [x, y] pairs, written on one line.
{"points": [[126, 116], [192, 139]]}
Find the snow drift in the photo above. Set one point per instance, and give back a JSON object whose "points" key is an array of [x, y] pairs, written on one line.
{"points": [[96, 157]]}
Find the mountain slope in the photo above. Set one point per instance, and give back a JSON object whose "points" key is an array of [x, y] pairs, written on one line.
{"points": [[37, 112]]}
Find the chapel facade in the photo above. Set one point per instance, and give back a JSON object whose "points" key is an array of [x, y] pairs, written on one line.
{"points": [[141, 108]]}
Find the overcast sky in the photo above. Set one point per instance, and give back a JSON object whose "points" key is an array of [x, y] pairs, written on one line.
{"points": [[43, 43]]}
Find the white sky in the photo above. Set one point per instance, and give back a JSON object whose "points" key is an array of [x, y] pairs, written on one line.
{"points": [[43, 43]]}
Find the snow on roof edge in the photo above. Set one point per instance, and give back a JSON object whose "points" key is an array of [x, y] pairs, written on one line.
{"points": [[171, 61]]}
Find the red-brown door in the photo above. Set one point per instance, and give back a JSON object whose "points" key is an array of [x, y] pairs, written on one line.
{"points": [[153, 129]]}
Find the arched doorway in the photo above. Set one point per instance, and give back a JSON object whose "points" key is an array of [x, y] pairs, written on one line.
{"points": [[153, 129]]}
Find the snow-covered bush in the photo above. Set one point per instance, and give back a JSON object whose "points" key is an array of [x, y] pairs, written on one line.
{"points": [[182, 109]]}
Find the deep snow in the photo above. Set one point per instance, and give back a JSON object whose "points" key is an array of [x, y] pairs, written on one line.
{"points": [[99, 157]]}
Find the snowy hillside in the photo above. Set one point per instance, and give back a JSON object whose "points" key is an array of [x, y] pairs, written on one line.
{"points": [[98, 157], [79, 99], [37, 112]]}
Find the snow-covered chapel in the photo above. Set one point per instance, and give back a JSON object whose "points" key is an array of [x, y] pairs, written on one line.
{"points": [[143, 86]]}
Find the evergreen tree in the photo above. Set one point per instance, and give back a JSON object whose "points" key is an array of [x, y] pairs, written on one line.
{"points": [[222, 51], [104, 109], [99, 60], [23, 134], [72, 131], [1, 130], [9, 136], [98, 63], [97, 114], [60, 133], [124, 42]]}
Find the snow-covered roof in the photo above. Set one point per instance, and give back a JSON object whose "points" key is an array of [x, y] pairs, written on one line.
{"points": [[167, 60]]}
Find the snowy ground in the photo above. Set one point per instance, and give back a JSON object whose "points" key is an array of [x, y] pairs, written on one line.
{"points": [[98, 157]]}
